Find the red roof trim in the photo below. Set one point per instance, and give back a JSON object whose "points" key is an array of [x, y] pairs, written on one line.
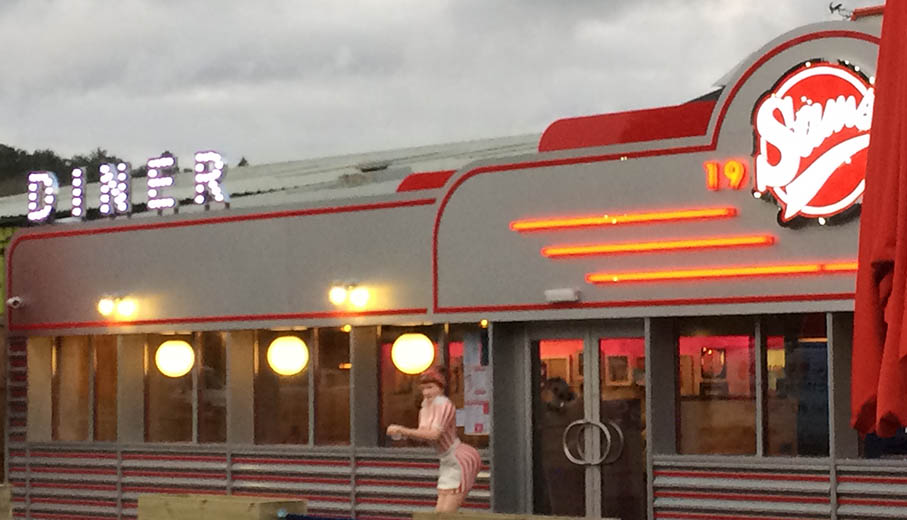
{"points": [[425, 180], [653, 124], [863, 12]]}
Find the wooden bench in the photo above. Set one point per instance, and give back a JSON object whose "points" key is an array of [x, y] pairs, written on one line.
{"points": [[215, 507]]}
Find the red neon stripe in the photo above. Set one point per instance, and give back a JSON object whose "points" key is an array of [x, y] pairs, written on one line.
{"points": [[742, 476], [549, 224], [657, 246], [745, 496], [650, 303], [719, 273]]}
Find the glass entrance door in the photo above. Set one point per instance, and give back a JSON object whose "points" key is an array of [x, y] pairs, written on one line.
{"points": [[589, 420]]}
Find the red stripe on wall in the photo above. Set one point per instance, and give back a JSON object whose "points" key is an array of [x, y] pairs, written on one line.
{"points": [[306, 462], [794, 499], [727, 475], [239, 478], [723, 516]]}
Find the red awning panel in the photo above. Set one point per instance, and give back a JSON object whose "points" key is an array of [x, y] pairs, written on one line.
{"points": [[687, 120], [879, 370]]}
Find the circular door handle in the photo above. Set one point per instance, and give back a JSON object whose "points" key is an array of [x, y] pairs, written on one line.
{"points": [[576, 460], [614, 452], [606, 447]]}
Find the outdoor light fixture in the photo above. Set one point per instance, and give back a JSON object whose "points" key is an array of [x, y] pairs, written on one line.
{"points": [[359, 297], [412, 353], [121, 308], [337, 294], [288, 355], [174, 358], [106, 306], [348, 292]]}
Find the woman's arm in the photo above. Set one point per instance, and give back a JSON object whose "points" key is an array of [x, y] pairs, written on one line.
{"points": [[424, 434]]}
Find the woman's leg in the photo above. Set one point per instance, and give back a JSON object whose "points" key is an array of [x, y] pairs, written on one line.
{"points": [[448, 502]]}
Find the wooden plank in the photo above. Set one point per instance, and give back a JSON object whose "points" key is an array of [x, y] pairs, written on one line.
{"points": [[207, 507]]}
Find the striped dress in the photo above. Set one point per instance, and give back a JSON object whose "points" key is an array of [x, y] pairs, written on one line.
{"points": [[440, 413]]}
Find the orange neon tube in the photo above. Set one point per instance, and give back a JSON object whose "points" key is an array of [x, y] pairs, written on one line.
{"points": [[665, 245], [623, 218], [720, 272]]}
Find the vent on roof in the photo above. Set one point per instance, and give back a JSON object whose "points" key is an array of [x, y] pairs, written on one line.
{"points": [[373, 166]]}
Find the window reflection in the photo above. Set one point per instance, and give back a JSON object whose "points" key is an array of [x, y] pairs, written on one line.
{"points": [[168, 400], [332, 387], [470, 381], [716, 379], [400, 394], [212, 388], [105, 388], [281, 401], [71, 368], [796, 385]]}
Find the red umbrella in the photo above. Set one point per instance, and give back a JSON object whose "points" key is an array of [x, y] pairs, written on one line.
{"points": [[879, 369]]}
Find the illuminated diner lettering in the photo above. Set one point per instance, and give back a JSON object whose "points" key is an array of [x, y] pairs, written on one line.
{"points": [[115, 187]]}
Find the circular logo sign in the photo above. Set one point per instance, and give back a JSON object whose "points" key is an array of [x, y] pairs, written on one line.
{"points": [[812, 134]]}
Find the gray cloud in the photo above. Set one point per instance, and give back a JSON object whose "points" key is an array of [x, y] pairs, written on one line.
{"points": [[285, 79]]}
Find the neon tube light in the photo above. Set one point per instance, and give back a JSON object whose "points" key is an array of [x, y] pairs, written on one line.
{"points": [[619, 219], [646, 247], [720, 272]]}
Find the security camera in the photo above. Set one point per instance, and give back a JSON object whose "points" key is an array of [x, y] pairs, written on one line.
{"points": [[15, 302]]}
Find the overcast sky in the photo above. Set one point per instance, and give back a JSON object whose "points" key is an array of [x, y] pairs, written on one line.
{"points": [[276, 80]]}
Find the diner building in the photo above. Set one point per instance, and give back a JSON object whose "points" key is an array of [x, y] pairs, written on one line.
{"points": [[644, 314]]}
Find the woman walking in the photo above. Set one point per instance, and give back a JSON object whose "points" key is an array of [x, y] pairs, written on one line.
{"points": [[460, 462]]}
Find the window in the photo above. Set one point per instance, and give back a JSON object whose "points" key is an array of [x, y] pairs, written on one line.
{"points": [[400, 394], [796, 374], [83, 388], [71, 369], [105, 387], [168, 400], [281, 401], [716, 379], [332, 387], [212, 388]]}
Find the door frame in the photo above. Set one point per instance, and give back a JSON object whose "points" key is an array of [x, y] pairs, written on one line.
{"points": [[590, 331]]}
